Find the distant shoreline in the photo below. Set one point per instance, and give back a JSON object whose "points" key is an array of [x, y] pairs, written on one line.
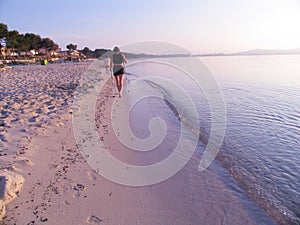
{"points": [[143, 56], [130, 55], [241, 54]]}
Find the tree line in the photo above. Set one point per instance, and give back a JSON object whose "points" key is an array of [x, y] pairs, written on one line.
{"points": [[12, 39], [24, 42]]}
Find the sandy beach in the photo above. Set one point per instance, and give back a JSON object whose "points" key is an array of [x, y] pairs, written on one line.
{"points": [[45, 179]]}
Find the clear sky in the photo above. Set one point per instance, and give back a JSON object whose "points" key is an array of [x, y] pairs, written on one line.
{"points": [[202, 26]]}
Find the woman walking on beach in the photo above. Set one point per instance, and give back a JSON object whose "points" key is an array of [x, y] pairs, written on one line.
{"points": [[118, 60]]}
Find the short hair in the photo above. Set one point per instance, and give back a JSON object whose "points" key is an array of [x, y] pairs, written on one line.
{"points": [[116, 49]]}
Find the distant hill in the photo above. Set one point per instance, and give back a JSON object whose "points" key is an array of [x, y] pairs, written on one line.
{"points": [[295, 51], [269, 52]]}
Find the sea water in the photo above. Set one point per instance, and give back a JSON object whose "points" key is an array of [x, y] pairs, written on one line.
{"points": [[261, 146]]}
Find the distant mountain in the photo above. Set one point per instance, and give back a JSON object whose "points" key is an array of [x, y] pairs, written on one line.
{"points": [[295, 51], [269, 52]]}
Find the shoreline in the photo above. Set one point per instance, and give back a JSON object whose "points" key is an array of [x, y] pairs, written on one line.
{"points": [[60, 184]]}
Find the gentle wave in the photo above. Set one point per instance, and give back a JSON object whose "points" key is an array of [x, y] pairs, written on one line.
{"points": [[261, 146]]}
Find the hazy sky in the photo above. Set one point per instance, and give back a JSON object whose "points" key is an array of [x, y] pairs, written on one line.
{"points": [[197, 25]]}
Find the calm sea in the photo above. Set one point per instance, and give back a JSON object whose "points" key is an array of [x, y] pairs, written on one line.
{"points": [[261, 146]]}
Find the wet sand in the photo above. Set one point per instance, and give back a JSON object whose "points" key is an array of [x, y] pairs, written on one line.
{"points": [[46, 180]]}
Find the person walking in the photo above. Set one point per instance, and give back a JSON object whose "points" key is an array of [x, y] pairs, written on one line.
{"points": [[117, 65], [107, 63]]}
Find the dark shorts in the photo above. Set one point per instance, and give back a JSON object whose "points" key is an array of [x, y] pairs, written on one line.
{"points": [[118, 70]]}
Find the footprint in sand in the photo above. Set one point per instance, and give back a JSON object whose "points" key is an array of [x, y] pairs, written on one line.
{"points": [[78, 189], [94, 220]]}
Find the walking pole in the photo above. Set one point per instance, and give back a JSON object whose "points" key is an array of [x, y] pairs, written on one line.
{"points": [[125, 74], [125, 71]]}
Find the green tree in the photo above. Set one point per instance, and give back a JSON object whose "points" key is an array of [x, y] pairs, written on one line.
{"points": [[3, 30], [12, 39], [87, 52], [100, 52], [23, 43], [3, 33], [34, 40], [48, 44], [71, 47]]}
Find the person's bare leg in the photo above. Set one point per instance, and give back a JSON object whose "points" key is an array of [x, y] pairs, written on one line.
{"points": [[121, 78], [117, 82]]}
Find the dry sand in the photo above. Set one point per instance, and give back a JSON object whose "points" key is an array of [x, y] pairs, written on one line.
{"points": [[33, 98], [41, 165]]}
